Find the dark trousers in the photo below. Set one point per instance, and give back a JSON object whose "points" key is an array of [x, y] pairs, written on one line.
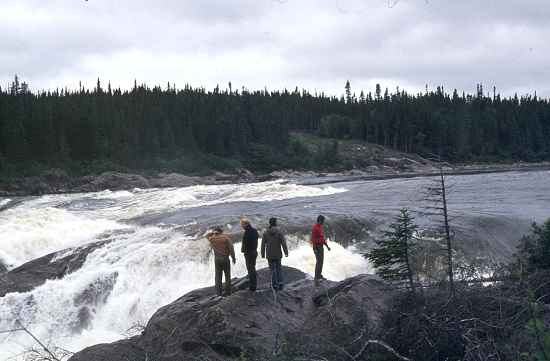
{"points": [[319, 258], [222, 264], [276, 274], [251, 268]]}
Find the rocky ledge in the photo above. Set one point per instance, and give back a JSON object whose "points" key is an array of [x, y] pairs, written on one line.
{"points": [[330, 321], [51, 266]]}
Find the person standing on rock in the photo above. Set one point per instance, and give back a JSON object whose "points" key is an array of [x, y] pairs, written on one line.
{"points": [[250, 250], [223, 249], [318, 241], [272, 242]]}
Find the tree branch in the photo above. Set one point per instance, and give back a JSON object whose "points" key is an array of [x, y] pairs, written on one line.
{"points": [[383, 345]]}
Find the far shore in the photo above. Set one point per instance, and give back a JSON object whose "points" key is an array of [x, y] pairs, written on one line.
{"points": [[447, 171], [57, 182]]}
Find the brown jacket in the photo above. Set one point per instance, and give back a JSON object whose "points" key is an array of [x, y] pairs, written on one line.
{"points": [[222, 245]]}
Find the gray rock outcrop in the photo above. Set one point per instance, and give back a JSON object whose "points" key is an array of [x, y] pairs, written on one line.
{"points": [[52, 266], [330, 321]]}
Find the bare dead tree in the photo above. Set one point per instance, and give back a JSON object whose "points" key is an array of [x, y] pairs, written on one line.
{"points": [[384, 346], [447, 231], [42, 354], [135, 329], [38, 354], [437, 197]]}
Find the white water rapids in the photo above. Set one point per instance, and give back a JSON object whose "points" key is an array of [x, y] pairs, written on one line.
{"points": [[146, 265]]}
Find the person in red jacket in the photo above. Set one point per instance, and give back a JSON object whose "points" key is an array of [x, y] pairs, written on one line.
{"points": [[318, 241]]}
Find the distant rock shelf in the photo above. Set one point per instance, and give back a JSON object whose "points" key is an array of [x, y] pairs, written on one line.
{"points": [[57, 181]]}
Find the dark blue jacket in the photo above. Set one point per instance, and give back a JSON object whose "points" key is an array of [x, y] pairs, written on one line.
{"points": [[250, 241]]}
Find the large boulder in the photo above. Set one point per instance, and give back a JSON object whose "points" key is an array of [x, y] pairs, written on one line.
{"points": [[52, 266], [331, 321]]}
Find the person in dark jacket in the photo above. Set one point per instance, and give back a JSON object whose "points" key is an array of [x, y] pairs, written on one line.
{"points": [[318, 241], [272, 242], [250, 250], [223, 249]]}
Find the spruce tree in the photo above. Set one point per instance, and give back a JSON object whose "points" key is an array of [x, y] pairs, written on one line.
{"points": [[392, 255], [348, 92], [535, 247]]}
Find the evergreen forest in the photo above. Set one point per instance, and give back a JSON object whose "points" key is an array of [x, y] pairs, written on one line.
{"points": [[191, 129]]}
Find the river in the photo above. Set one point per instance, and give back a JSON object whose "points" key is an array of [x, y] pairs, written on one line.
{"points": [[157, 250]]}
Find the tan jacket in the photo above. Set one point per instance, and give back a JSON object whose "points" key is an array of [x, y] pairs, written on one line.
{"points": [[222, 245]]}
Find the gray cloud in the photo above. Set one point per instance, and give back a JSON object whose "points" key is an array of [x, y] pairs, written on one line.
{"points": [[316, 44]]}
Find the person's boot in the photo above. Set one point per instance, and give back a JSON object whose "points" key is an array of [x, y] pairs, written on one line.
{"points": [[227, 292]]}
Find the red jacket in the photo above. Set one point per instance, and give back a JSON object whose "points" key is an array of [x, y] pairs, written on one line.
{"points": [[317, 235]]}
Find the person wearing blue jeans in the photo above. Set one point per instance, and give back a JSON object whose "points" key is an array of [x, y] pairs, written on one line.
{"points": [[276, 274], [272, 243]]}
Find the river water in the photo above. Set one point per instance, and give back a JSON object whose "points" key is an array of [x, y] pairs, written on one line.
{"points": [[158, 251]]}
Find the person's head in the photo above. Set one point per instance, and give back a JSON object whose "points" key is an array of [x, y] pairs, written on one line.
{"points": [[272, 222], [321, 219], [245, 223], [217, 229]]}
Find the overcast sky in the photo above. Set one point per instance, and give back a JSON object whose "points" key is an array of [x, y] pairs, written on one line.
{"points": [[312, 44]]}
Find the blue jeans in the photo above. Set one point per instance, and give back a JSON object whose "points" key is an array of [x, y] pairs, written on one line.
{"points": [[276, 274]]}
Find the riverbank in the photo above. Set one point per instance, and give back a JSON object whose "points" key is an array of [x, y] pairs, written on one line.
{"points": [[56, 181], [353, 161], [353, 176]]}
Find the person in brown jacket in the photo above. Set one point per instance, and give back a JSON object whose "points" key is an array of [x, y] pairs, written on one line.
{"points": [[223, 248]]}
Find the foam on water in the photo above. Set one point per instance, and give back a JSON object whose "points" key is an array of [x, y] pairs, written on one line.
{"points": [[28, 233], [155, 200], [151, 267], [52, 222], [112, 195]]}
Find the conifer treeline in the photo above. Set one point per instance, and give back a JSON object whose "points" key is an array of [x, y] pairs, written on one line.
{"points": [[128, 127]]}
